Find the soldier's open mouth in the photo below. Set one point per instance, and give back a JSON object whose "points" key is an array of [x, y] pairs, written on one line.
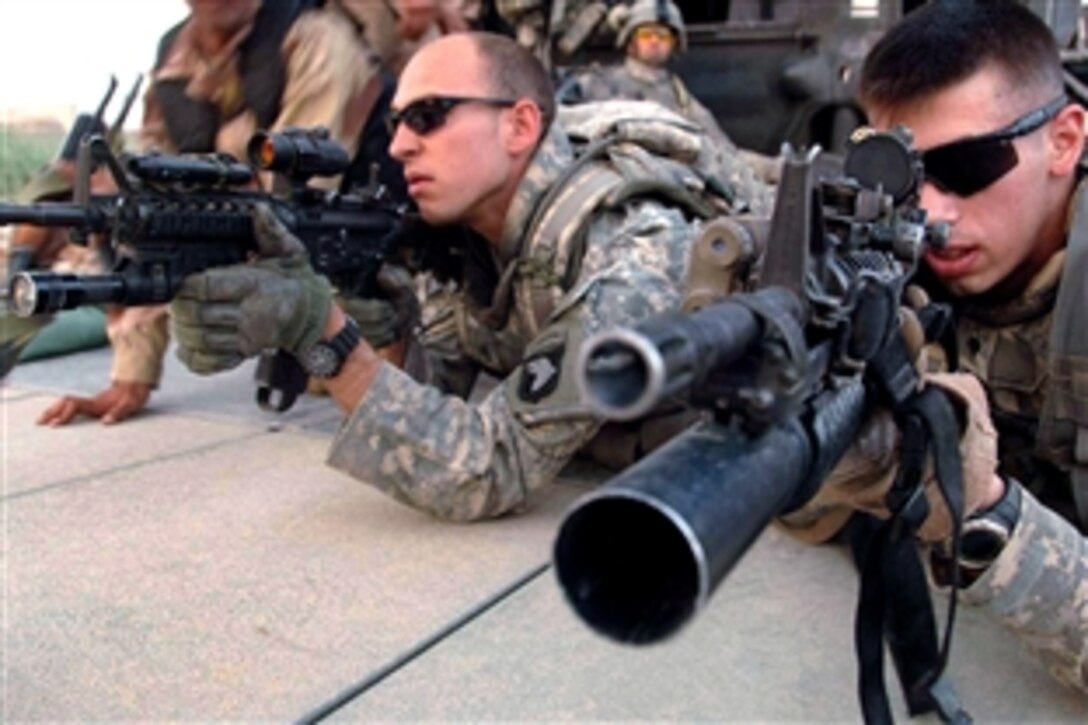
{"points": [[958, 251]]}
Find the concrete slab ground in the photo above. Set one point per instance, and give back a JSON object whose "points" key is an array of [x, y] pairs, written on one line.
{"points": [[200, 563]]}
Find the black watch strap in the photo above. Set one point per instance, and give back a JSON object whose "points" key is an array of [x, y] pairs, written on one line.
{"points": [[986, 532], [347, 339], [326, 357]]}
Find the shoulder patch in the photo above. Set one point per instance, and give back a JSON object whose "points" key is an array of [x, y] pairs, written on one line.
{"points": [[540, 374]]}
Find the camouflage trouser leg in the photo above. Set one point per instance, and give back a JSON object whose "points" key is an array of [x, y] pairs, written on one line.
{"points": [[15, 334]]}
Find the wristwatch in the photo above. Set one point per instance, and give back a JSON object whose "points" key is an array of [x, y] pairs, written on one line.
{"points": [[982, 539], [986, 532], [326, 357]]}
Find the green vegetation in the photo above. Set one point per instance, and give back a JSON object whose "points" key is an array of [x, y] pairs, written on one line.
{"points": [[21, 154]]}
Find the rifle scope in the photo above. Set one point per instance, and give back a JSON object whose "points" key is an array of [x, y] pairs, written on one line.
{"points": [[297, 153]]}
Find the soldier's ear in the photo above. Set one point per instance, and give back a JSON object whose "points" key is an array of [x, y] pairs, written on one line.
{"points": [[525, 125], [1067, 139]]}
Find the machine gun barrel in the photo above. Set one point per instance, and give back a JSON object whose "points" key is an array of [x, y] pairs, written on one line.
{"points": [[625, 372], [640, 557]]}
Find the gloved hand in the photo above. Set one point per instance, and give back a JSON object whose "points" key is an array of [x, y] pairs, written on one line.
{"points": [[225, 315], [863, 477], [384, 321]]}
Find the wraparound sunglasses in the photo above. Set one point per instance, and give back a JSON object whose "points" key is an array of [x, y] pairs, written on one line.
{"points": [[968, 166], [427, 115]]}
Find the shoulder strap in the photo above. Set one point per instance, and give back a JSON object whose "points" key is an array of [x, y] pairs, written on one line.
{"points": [[552, 253], [1063, 427], [551, 256], [683, 96]]}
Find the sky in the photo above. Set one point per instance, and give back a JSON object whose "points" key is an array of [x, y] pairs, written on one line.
{"points": [[56, 54]]}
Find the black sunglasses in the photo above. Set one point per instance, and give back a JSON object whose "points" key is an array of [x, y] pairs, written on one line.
{"points": [[968, 166], [429, 114]]}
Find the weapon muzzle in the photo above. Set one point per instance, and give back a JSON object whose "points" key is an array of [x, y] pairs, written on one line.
{"points": [[36, 293], [640, 556], [623, 373], [51, 214]]}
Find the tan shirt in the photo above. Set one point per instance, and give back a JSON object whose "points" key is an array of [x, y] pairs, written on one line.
{"points": [[327, 68]]}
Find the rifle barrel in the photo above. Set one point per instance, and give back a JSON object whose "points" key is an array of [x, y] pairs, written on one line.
{"points": [[37, 293], [51, 214], [625, 372]]}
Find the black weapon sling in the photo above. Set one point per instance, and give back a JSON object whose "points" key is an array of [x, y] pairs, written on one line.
{"points": [[894, 601]]}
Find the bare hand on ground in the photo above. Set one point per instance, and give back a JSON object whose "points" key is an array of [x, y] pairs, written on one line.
{"points": [[113, 405]]}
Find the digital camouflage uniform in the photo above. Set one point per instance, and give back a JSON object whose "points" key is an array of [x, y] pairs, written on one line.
{"points": [[1036, 375], [547, 27], [327, 69], [637, 81], [1039, 400], [435, 451], [1038, 589]]}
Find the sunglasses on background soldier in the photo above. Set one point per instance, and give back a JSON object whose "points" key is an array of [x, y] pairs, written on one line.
{"points": [[427, 115], [968, 166], [654, 32]]}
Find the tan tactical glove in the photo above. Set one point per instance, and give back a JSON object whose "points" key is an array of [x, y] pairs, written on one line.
{"points": [[225, 315], [863, 477], [385, 321]]}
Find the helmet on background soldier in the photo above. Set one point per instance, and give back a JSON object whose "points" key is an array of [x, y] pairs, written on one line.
{"points": [[625, 18]]}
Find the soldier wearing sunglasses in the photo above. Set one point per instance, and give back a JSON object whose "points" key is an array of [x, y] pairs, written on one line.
{"points": [[473, 123], [980, 85]]}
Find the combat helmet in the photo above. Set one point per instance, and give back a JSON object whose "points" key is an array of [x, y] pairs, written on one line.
{"points": [[625, 18]]}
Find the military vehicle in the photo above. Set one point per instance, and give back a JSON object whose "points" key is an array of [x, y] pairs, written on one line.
{"points": [[786, 70]]}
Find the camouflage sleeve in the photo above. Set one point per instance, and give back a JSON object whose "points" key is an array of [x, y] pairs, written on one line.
{"points": [[1038, 589], [584, 85], [447, 368], [464, 462]]}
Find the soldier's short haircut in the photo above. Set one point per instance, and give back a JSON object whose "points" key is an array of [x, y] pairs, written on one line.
{"points": [[946, 41], [514, 72]]}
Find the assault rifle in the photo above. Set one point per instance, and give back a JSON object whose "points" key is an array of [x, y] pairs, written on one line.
{"points": [[787, 372], [173, 216], [87, 125]]}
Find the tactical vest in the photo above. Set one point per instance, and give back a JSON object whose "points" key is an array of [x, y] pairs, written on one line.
{"points": [[1034, 360], [1063, 426], [625, 150], [194, 124]]}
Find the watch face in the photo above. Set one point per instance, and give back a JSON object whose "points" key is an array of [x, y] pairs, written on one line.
{"points": [[981, 543], [321, 361]]}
